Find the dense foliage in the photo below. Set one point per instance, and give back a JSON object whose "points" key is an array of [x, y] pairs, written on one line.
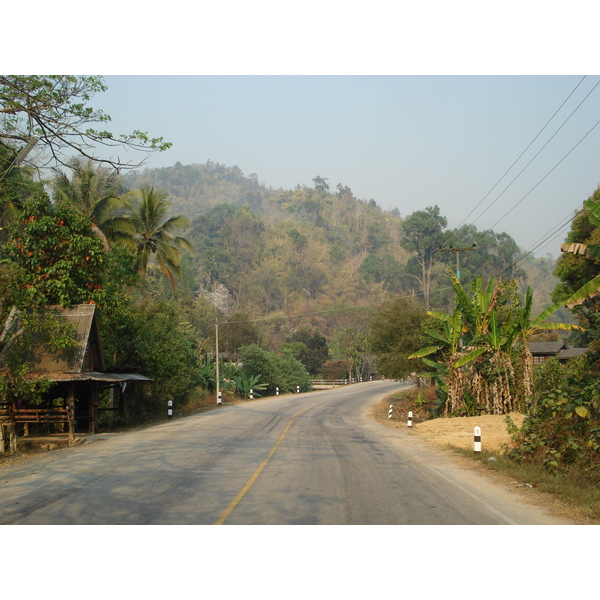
{"points": [[562, 429], [395, 334]]}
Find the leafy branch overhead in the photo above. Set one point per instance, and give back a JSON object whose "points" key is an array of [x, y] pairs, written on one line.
{"points": [[55, 108]]}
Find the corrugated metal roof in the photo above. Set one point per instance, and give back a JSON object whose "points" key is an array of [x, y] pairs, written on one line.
{"points": [[546, 347], [71, 360], [571, 353], [84, 362], [89, 376]]}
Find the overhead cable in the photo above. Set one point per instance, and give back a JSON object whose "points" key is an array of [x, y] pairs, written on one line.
{"points": [[520, 156]]}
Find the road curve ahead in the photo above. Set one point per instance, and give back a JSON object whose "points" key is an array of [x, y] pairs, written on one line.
{"points": [[304, 459]]}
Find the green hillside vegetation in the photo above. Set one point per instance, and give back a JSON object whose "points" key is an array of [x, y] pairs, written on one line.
{"points": [[285, 252]]}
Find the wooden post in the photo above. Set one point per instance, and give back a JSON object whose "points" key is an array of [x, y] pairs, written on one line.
{"points": [[12, 438]]}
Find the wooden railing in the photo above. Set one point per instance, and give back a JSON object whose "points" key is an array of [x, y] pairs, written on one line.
{"points": [[10, 416], [326, 384]]}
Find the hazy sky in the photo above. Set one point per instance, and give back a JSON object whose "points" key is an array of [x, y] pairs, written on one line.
{"points": [[407, 142]]}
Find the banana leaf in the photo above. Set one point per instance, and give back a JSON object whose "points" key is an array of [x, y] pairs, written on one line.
{"points": [[437, 366], [469, 357], [593, 213], [589, 290], [425, 351], [436, 335]]}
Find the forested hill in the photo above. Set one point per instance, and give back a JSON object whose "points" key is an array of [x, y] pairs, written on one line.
{"points": [[195, 189], [314, 250]]}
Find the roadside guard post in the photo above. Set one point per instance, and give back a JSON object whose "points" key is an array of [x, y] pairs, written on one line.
{"points": [[390, 411], [477, 440], [277, 391], [220, 398], [410, 419], [170, 408]]}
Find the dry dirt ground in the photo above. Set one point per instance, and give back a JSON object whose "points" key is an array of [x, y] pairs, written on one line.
{"points": [[458, 432]]}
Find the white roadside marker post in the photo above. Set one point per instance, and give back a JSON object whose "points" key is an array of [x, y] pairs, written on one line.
{"points": [[219, 398], [251, 394], [297, 389], [170, 408], [410, 419], [477, 440], [390, 411], [277, 391]]}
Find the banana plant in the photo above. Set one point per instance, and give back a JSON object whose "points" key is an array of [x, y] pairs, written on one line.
{"points": [[244, 385], [476, 321]]}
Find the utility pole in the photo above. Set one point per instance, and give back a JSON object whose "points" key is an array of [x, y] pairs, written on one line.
{"points": [[217, 377], [458, 251]]}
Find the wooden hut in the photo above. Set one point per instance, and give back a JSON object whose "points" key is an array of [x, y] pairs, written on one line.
{"points": [[77, 374]]}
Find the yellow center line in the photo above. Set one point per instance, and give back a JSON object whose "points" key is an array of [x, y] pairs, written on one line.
{"points": [[262, 466]]}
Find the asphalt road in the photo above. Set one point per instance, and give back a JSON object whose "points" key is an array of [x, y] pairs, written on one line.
{"points": [[305, 459]]}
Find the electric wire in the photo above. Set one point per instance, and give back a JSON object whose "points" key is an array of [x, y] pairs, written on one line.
{"points": [[544, 241], [538, 153], [453, 232], [546, 175]]}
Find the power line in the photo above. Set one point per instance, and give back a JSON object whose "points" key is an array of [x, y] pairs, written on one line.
{"points": [[552, 235], [519, 157], [540, 151], [547, 174]]}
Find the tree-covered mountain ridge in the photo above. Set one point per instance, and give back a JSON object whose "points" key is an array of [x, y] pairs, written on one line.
{"points": [[317, 252]]}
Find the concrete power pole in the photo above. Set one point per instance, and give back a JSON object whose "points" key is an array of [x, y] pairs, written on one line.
{"points": [[458, 251]]}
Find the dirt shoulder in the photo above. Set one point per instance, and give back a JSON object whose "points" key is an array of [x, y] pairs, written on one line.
{"points": [[448, 434], [459, 431]]}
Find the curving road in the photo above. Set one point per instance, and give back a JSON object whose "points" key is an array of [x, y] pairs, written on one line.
{"points": [[305, 459]]}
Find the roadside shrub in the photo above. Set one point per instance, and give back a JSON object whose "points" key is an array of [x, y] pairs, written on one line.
{"points": [[282, 371], [563, 430]]}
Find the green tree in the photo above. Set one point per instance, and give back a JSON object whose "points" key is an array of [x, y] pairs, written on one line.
{"points": [[495, 255], [423, 233], [395, 330], [351, 344], [55, 108], [321, 184], [57, 258], [276, 371], [16, 184], [165, 349], [309, 347], [154, 233]]}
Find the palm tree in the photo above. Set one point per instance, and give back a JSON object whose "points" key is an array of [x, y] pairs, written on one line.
{"points": [[154, 235], [92, 191]]}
